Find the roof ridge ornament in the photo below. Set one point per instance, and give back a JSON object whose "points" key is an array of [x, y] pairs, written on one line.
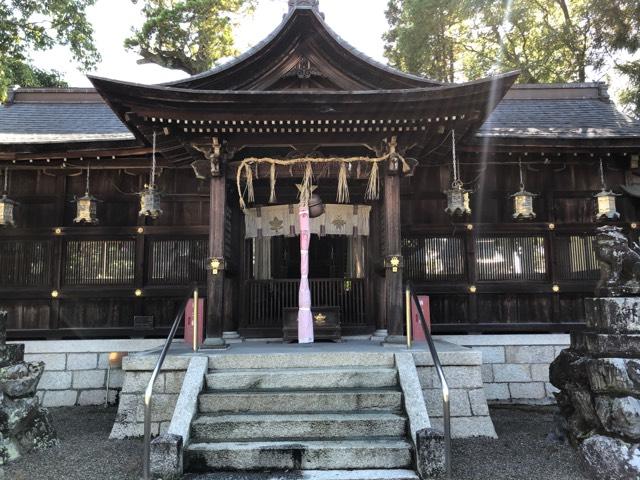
{"points": [[314, 4]]}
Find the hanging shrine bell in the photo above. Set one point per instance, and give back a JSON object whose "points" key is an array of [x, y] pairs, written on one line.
{"points": [[605, 201], [150, 197], [523, 201], [316, 206], [7, 206], [87, 207]]}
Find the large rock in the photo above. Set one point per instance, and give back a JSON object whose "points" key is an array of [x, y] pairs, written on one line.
{"points": [[606, 344], [21, 379], [612, 458], [568, 368], [614, 375], [620, 415]]}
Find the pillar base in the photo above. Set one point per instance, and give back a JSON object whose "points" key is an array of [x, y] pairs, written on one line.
{"points": [[214, 344], [232, 337], [379, 335]]}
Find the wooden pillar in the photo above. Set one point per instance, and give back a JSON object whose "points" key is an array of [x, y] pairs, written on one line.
{"points": [[394, 300], [216, 278]]}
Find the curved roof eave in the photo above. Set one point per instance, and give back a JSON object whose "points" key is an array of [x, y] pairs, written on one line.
{"points": [[237, 61]]}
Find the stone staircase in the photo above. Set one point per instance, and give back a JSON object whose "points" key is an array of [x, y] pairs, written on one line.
{"points": [[320, 416]]}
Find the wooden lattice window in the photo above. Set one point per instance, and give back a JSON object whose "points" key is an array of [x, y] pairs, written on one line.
{"points": [[99, 262], [177, 262], [576, 257], [25, 263], [510, 258], [434, 258]]}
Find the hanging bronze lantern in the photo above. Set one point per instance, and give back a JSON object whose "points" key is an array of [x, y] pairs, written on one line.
{"points": [[605, 201], [6, 212], [150, 197], [523, 201], [87, 206], [150, 202], [458, 200], [7, 205]]}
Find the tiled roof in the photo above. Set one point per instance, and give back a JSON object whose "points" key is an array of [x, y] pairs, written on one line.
{"points": [[55, 122], [585, 112]]}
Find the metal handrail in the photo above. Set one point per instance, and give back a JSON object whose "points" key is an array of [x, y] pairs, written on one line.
{"points": [[148, 394], [410, 294]]}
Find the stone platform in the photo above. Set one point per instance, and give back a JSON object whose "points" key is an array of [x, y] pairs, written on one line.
{"points": [[462, 366]]}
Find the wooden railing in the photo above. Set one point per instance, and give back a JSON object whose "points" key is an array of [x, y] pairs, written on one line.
{"points": [[265, 300]]}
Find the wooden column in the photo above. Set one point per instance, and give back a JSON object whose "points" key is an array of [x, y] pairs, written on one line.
{"points": [[216, 279], [394, 300]]}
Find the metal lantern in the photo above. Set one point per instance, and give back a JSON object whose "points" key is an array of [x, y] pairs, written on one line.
{"points": [[7, 205], [605, 201], [87, 206], [150, 202], [6, 212], [150, 196], [458, 200], [523, 201]]}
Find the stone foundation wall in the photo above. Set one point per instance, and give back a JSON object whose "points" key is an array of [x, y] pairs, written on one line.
{"points": [[76, 370], [468, 404], [515, 368]]}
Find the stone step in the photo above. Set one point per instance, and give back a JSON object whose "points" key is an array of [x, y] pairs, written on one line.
{"points": [[300, 360], [299, 455], [296, 426], [300, 401], [303, 378], [310, 475]]}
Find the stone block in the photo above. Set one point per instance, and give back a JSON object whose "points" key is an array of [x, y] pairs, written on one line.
{"points": [[166, 457], [609, 345], [614, 375], [52, 361], [458, 403], [492, 354], [540, 372], [128, 408], [487, 373], [173, 381], [62, 398], [88, 379], [620, 416], [511, 372], [428, 377], [116, 378], [162, 408], [613, 315], [121, 431], [103, 361], [136, 382], [527, 391], [497, 391], [82, 361], [92, 397], [611, 458], [551, 390], [478, 402], [55, 381], [430, 453], [530, 354], [463, 377]]}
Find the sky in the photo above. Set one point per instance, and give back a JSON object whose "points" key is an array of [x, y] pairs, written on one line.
{"points": [[359, 22]]}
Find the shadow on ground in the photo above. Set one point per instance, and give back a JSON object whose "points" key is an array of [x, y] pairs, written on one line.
{"points": [[521, 453]]}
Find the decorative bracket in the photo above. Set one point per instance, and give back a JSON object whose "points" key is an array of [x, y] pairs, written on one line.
{"points": [[213, 154]]}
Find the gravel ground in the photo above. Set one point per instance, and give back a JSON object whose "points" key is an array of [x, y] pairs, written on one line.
{"points": [[522, 452]]}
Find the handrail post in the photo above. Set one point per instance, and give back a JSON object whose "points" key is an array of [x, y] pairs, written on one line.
{"points": [[446, 407], [407, 303], [195, 319]]}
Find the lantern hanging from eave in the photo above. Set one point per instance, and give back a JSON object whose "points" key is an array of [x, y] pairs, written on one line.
{"points": [[523, 201], [458, 198], [605, 201], [87, 206], [150, 196], [7, 206]]}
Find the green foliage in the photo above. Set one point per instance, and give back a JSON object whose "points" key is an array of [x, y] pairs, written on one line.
{"points": [[27, 25], [189, 35], [630, 96], [547, 40]]}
